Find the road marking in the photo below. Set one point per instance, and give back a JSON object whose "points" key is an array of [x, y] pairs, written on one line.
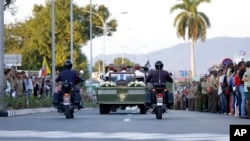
{"points": [[119, 135], [126, 120]]}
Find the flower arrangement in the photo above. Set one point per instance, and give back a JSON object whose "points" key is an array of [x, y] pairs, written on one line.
{"points": [[107, 84], [136, 84]]}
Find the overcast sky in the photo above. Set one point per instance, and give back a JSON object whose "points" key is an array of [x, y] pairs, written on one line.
{"points": [[148, 25]]}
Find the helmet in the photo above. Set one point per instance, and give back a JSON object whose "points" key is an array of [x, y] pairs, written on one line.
{"points": [[158, 65], [68, 64]]}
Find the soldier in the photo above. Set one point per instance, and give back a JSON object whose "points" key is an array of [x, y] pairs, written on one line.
{"points": [[198, 96], [177, 100], [191, 96], [18, 83], [204, 94], [110, 69], [213, 100], [138, 74]]}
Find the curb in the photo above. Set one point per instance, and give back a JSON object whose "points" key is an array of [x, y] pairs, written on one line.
{"points": [[11, 113]]}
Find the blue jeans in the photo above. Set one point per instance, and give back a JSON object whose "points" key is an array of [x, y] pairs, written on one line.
{"points": [[239, 99], [29, 93], [233, 96], [243, 101], [223, 103]]}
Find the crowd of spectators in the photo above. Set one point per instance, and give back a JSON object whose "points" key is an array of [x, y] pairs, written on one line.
{"points": [[19, 84], [223, 91]]}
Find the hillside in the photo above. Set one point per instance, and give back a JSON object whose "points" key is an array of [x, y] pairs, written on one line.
{"points": [[207, 53]]}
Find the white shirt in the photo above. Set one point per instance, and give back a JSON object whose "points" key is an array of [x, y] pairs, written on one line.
{"points": [[107, 74], [8, 88], [139, 74], [245, 83], [221, 78], [29, 84]]}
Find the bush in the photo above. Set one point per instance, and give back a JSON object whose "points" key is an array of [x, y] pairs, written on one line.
{"points": [[33, 102], [22, 102]]}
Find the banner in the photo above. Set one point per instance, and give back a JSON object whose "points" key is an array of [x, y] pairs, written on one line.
{"points": [[45, 68]]}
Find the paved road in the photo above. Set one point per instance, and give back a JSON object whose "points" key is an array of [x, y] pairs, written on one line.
{"points": [[120, 126]]}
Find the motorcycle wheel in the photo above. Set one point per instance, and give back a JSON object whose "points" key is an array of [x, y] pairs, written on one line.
{"points": [[67, 112], [158, 112], [72, 113]]}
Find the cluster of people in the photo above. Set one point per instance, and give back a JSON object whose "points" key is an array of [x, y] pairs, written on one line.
{"points": [[19, 84], [224, 91], [124, 68]]}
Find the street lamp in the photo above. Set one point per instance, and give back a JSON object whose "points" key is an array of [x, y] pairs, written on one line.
{"points": [[134, 51], [104, 32], [115, 41]]}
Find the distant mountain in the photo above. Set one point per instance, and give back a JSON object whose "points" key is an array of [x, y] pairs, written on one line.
{"points": [[207, 53]]}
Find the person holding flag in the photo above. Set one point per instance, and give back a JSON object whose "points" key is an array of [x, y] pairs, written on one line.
{"points": [[45, 68]]}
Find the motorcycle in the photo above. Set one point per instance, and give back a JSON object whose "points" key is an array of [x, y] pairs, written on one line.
{"points": [[159, 105], [66, 106]]}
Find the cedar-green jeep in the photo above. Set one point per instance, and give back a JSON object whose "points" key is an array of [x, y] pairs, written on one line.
{"points": [[120, 93]]}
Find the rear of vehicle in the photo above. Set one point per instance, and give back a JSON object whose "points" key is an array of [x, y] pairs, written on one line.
{"points": [[119, 94]]}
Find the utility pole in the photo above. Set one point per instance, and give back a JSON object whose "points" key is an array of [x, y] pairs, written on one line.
{"points": [[53, 46], [2, 85], [71, 31], [90, 33]]}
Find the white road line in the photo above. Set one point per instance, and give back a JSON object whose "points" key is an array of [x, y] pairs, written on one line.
{"points": [[118, 135], [126, 120]]}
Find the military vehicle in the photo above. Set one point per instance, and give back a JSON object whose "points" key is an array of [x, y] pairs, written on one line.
{"points": [[122, 89]]}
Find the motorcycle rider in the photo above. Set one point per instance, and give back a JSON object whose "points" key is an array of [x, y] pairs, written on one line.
{"points": [[158, 76], [72, 77]]}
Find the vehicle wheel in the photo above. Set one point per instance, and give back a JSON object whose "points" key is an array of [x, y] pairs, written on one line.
{"points": [[158, 112], [113, 109], [102, 109], [143, 109], [107, 110], [67, 112]]}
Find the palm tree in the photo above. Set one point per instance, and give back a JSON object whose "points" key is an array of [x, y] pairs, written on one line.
{"points": [[192, 21]]}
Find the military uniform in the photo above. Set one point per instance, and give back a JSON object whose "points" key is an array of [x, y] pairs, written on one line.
{"points": [[191, 97], [213, 96]]}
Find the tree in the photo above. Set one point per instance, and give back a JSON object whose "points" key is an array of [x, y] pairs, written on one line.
{"points": [[9, 6], [98, 66], [118, 61], [195, 22], [7, 3], [32, 38]]}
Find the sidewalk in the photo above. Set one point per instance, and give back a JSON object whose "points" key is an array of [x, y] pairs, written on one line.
{"points": [[10, 113]]}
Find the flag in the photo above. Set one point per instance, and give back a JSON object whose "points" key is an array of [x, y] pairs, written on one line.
{"points": [[45, 68], [243, 53]]}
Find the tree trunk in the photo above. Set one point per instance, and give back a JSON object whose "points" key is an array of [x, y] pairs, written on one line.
{"points": [[192, 60], [2, 85]]}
